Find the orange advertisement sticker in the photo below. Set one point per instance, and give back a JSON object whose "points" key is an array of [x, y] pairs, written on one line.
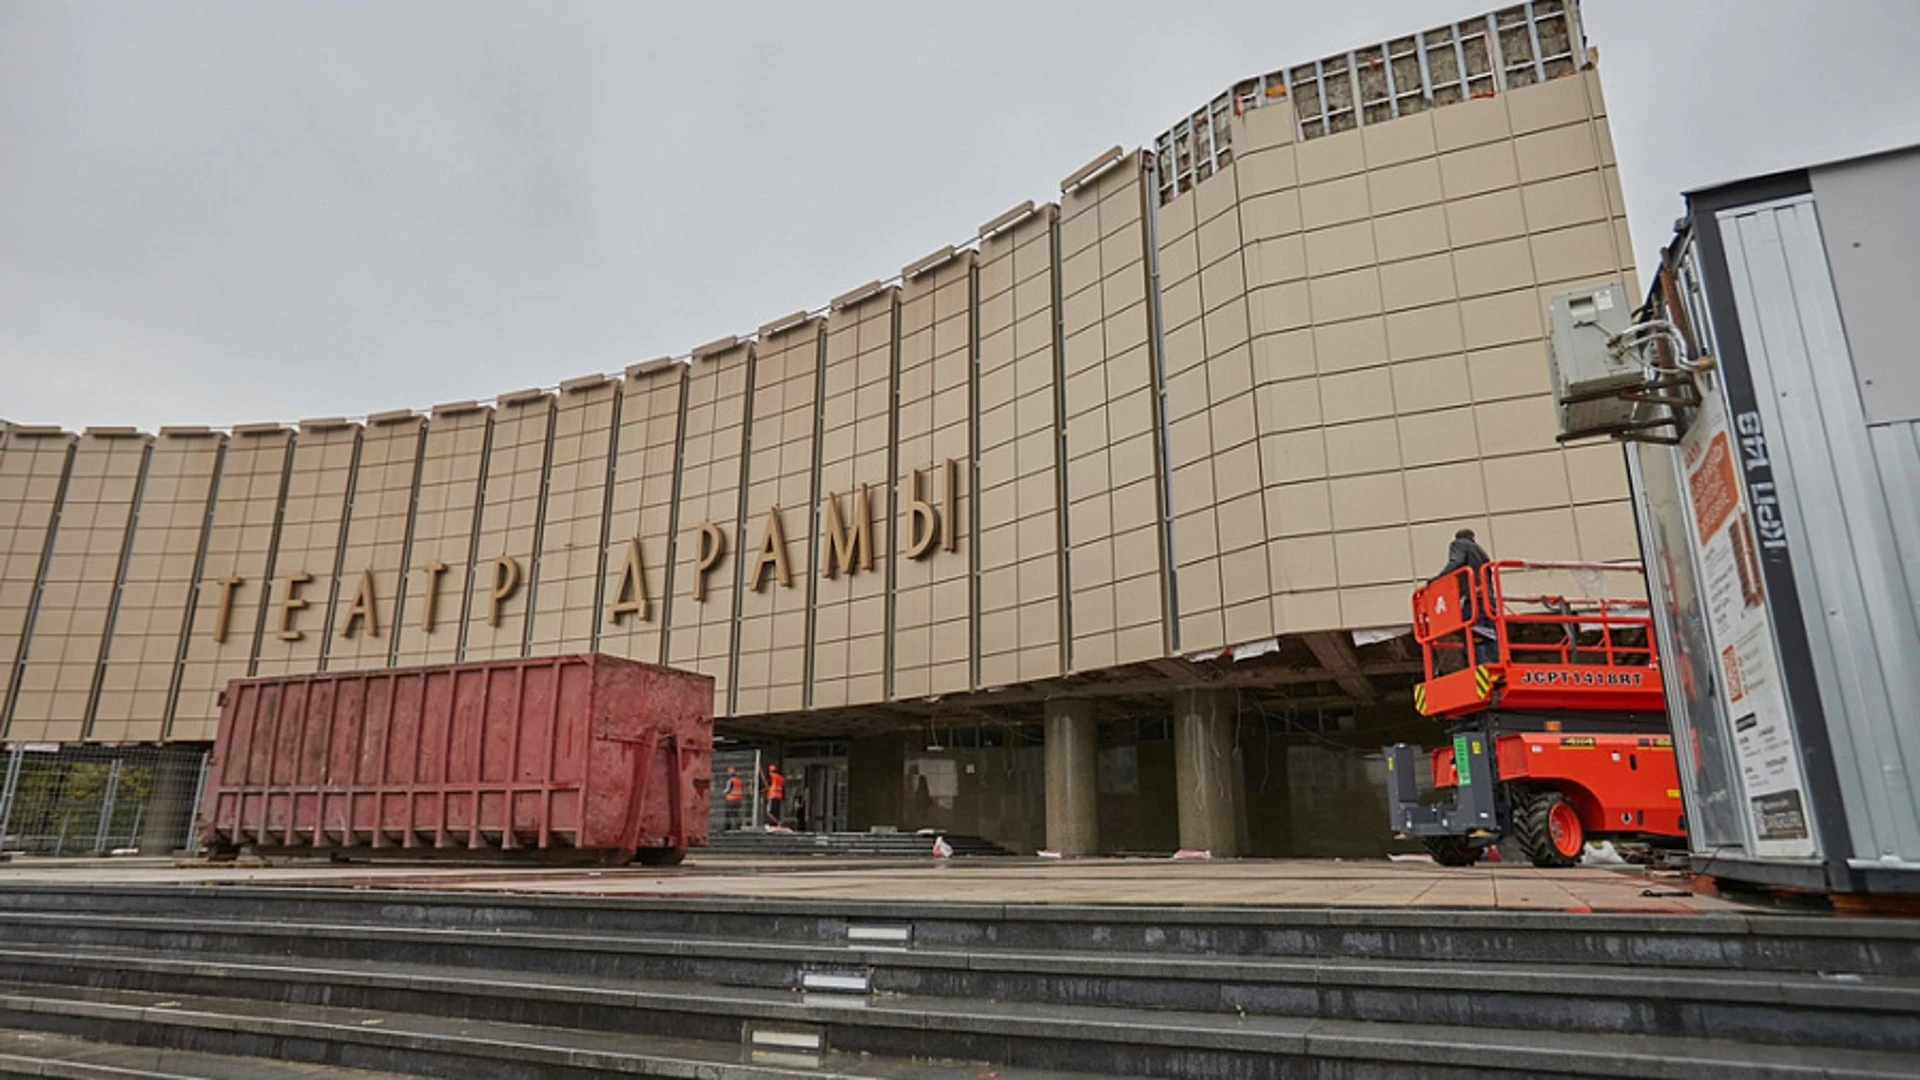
{"points": [[1712, 485]]}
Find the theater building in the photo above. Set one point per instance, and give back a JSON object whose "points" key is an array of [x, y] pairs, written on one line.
{"points": [[1094, 533]]}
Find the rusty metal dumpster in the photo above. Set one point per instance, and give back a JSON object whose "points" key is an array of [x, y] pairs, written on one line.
{"points": [[564, 758]]}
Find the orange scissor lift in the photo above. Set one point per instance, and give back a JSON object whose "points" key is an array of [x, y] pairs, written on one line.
{"points": [[1557, 716]]}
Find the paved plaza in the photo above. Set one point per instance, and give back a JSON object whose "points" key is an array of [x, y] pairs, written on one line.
{"points": [[1276, 883]]}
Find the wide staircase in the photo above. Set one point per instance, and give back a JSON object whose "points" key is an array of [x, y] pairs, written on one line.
{"points": [[149, 982], [885, 845]]}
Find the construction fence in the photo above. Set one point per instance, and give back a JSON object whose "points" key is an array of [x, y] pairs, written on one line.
{"points": [[99, 800]]}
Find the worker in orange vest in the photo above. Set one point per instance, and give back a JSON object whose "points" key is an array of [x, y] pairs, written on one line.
{"points": [[776, 793], [734, 795]]}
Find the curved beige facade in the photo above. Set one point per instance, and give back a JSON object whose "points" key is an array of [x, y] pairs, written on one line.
{"points": [[1240, 386]]}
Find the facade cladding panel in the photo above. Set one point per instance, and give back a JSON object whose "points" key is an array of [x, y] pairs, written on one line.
{"points": [[230, 604], [700, 612], [510, 516], [1396, 277], [567, 574], [33, 470], [774, 563], [850, 647], [1020, 564], [150, 620], [443, 525], [300, 593], [932, 622], [77, 591], [1112, 451], [1349, 328], [361, 636], [642, 523]]}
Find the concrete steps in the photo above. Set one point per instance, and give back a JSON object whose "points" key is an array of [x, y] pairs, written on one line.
{"points": [[1880, 1014], [41, 1054], [1136, 991]]}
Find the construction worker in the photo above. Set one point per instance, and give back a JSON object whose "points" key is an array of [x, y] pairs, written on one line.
{"points": [[734, 796], [776, 793], [1466, 553]]}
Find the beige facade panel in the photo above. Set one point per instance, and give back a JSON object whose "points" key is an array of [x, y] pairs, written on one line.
{"points": [[362, 630], [850, 617], [299, 598], [1112, 468], [643, 513], [76, 594], [932, 622], [512, 494], [1400, 386], [774, 560], [150, 619], [31, 469], [1019, 448], [230, 604], [700, 609], [1214, 450], [566, 575], [443, 523]]}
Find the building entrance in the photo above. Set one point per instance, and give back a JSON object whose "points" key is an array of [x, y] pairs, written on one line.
{"points": [[816, 787]]}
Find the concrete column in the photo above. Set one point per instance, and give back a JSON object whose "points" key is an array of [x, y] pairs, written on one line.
{"points": [[170, 809], [1206, 772], [1073, 746]]}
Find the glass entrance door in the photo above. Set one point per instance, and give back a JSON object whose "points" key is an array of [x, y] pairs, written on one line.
{"points": [[817, 794]]}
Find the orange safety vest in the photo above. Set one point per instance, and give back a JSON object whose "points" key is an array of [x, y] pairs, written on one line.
{"points": [[776, 787], [733, 789]]}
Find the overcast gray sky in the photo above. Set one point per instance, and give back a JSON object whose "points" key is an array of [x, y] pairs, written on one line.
{"points": [[231, 212]]}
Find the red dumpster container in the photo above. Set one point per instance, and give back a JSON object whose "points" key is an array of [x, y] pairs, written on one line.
{"points": [[564, 757]]}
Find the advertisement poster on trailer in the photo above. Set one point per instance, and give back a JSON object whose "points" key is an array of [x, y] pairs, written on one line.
{"points": [[1742, 636]]}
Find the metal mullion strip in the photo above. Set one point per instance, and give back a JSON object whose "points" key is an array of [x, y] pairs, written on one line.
{"points": [[406, 546], [193, 593], [1163, 490], [340, 547], [1460, 63], [973, 465], [273, 553], [1426, 70], [473, 538], [1354, 102], [1533, 32], [1320, 97], [119, 589], [598, 620], [39, 587], [673, 514], [1386, 64], [1496, 56], [1286, 84], [889, 651], [814, 521], [539, 532], [740, 531], [1063, 555]]}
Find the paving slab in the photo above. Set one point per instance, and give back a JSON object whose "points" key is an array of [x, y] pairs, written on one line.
{"points": [[1318, 883]]}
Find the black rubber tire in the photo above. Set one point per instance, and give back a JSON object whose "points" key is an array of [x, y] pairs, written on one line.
{"points": [[1450, 850], [1531, 827], [662, 856]]}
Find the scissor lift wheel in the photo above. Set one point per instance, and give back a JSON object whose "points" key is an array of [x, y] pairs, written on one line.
{"points": [[1549, 829]]}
